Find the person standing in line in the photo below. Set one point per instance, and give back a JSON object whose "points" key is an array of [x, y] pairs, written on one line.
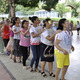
{"points": [[47, 47], [3, 21], [6, 33], [63, 44], [78, 27], [9, 47], [35, 41], [25, 41], [71, 26], [16, 29]]}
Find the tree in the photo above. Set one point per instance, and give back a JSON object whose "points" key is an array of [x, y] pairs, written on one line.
{"points": [[3, 6], [12, 8], [46, 4], [31, 3], [76, 7], [62, 9], [49, 4]]}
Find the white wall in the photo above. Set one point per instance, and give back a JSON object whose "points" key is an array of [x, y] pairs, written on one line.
{"points": [[67, 15]]}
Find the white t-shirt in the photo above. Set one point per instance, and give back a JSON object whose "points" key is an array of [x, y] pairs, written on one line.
{"points": [[78, 25], [16, 36], [48, 32], [35, 30], [66, 40]]}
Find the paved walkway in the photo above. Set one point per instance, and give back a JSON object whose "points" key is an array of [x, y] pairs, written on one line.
{"points": [[4, 73], [15, 71]]}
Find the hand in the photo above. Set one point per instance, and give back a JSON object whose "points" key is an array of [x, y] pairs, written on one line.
{"points": [[72, 48], [65, 52]]}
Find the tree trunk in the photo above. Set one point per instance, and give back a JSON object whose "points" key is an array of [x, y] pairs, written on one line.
{"points": [[12, 8]]}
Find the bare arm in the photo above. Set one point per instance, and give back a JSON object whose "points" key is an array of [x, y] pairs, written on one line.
{"points": [[16, 32], [35, 35], [52, 37], [24, 33], [2, 29]]}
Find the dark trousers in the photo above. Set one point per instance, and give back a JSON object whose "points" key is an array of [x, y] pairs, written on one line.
{"points": [[5, 42], [24, 51], [36, 55]]}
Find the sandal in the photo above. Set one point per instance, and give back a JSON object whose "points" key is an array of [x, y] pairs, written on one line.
{"points": [[31, 70], [53, 75], [43, 74], [37, 70]]}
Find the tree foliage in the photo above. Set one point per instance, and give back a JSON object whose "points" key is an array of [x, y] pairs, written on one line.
{"points": [[3, 6], [76, 5], [27, 3], [10, 5], [62, 9], [48, 4]]}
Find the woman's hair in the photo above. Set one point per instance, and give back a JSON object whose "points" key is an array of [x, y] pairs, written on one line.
{"points": [[61, 21], [33, 18], [46, 20], [78, 22], [14, 21], [7, 19], [71, 21], [23, 23]]}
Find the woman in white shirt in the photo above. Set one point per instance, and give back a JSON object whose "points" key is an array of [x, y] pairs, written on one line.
{"points": [[47, 47], [63, 46], [16, 29], [35, 41]]}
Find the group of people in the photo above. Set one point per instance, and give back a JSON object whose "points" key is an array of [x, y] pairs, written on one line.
{"points": [[44, 41]]}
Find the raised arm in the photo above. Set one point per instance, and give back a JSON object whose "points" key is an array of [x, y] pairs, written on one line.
{"points": [[35, 35]]}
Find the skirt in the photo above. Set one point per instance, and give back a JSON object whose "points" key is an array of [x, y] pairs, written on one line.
{"points": [[47, 53], [17, 52], [10, 44]]}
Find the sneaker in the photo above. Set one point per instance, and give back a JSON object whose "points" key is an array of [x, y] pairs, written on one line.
{"points": [[8, 53]]}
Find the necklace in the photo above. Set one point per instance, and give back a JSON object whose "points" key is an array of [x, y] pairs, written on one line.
{"points": [[67, 34]]}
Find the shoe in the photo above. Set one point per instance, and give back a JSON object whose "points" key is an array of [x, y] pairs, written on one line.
{"points": [[8, 53]]}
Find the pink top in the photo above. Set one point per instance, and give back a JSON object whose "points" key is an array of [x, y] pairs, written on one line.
{"points": [[25, 40]]}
